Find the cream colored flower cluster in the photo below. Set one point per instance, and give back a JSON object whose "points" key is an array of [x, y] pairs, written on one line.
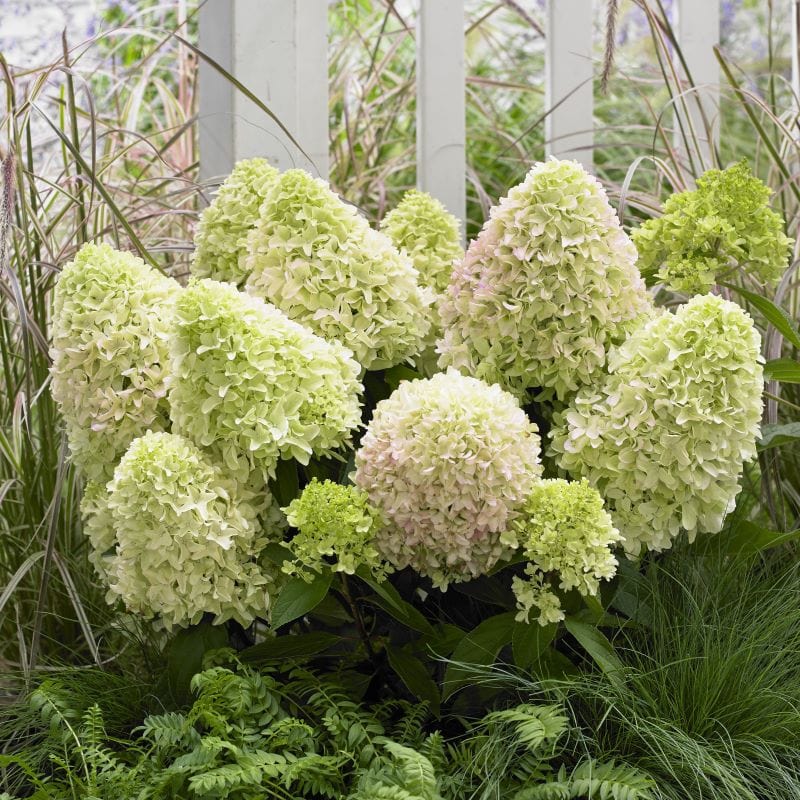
{"points": [[448, 460], [549, 285], [251, 385], [663, 438], [177, 538], [110, 354], [318, 260], [221, 236], [421, 227]]}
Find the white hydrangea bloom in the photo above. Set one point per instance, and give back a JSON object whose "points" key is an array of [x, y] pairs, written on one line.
{"points": [[221, 236], [448, 460], [180, 540], [318, 260], [547, 287], [664, 437], [252, 386], [110, 353]]}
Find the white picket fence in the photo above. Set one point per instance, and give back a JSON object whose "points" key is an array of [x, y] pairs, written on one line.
{"points": [[278, 50]]}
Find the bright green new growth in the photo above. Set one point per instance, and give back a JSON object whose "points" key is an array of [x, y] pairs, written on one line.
{"points": [[664, 437], [318, 260], [564, 529], [184, 537], [221, 236], [422, 227], [110, 347], [722, 226], [336, 530], [252, 386], [549, 285]]}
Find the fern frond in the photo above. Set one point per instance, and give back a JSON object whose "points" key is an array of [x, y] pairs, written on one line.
{"points": [[610, 781], [415, 773], [535, 726]]}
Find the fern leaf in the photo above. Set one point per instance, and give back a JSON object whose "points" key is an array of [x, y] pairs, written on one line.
{"points": [[610, 781]]}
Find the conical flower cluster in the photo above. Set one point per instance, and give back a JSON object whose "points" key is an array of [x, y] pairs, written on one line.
{"points": [[663, 438], [549, 285], [110, 353], [318, 260]]}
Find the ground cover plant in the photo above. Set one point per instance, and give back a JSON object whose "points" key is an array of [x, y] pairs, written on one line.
{"points": [[337, 509]]}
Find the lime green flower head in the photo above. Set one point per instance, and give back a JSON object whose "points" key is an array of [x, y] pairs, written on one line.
{"points": [[318, 260], [664, 437], [336, 529], [186, 541], [110, 353], [448, 460], [421, 227], [549, 285], [221, 236], [252, 385], [706, 235], [563, 530]]}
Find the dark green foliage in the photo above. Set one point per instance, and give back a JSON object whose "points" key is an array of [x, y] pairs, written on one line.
{"points": [[249, 735]]}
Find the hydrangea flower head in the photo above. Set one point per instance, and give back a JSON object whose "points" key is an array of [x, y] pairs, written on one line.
{"points": [[664, 437], [318, 260], [336, 530], [221, 236], [706, 234], [562, 529], [422, 227], [186, 541], [252, 385], [549, 285], [110, 353], [448, 460]]}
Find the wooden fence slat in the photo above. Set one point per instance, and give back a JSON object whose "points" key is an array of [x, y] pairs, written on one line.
{"points": [[569, 70], [278, 50], [697, 31], [441, 122]]}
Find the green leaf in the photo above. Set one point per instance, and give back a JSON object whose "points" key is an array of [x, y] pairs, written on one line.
{"points": [[277, 553], [775, 315], [185, 656], [286, 485], [785, 370], [529, 641], [388, 598], [298, 598], [285, 648], [394, 376], [478, 647], [747, 538], [598, 647], [488, 590], [777, 435], [414, 674]]}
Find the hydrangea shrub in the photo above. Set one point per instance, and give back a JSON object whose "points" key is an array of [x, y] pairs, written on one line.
{"points": [[336, 529], [221, 235], [663, 438], [421, 227], [318, 260], [184, 541], [709, 233], [110, 354], [448, 460], [251, 385], [549, 285], [562, 529]]}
